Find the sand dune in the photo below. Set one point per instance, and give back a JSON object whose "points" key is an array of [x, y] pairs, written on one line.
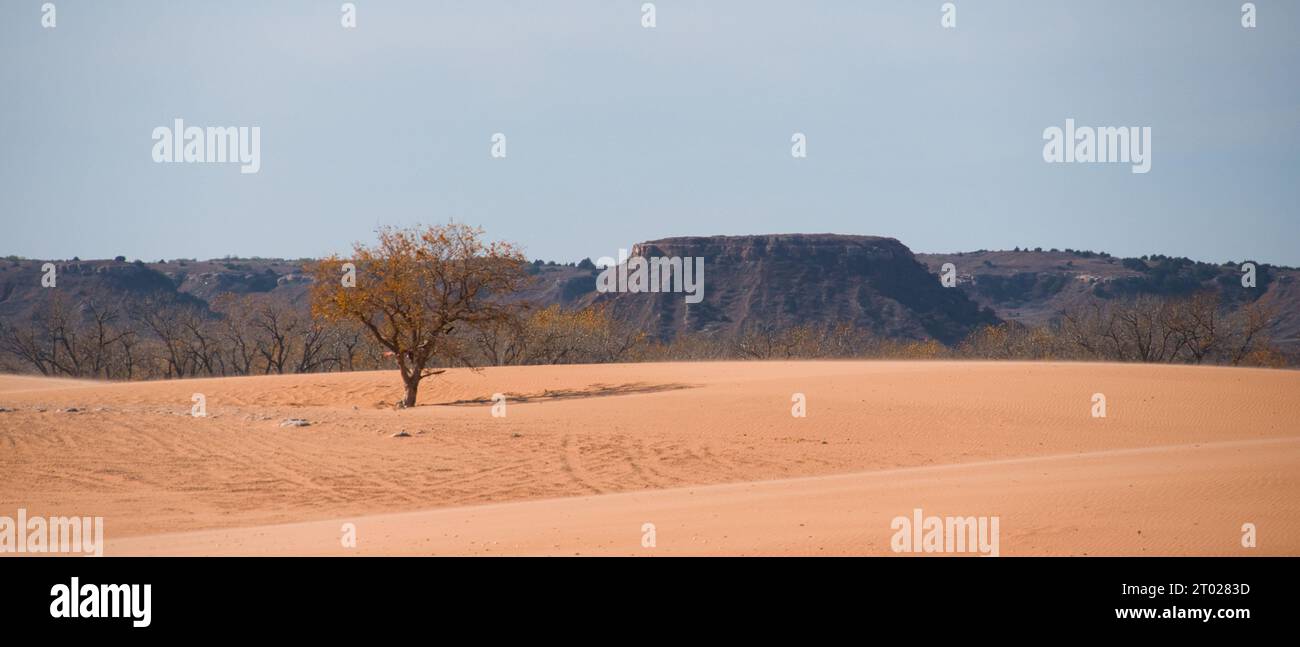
{"points": [[707, 452], [1181, 499]]}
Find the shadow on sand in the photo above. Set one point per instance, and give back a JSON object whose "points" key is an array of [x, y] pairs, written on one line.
{"points": [[590, 391]]}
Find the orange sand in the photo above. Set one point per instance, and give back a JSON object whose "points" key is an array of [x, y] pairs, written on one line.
{"points": [[707, 452]]}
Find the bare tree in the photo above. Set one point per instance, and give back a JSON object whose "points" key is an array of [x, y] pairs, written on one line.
{"points": [[504, 341], [311, 347], [30, 344], [1250, 325], [276, 325], [165, 318], [1199, 327], [236, 332], [107, 335], [1143, 327]]}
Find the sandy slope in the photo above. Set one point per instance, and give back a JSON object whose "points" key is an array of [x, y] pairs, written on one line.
{"points": [[707, 452]]}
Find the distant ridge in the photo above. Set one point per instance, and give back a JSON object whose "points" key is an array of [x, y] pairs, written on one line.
{"points": [[760, 280]]}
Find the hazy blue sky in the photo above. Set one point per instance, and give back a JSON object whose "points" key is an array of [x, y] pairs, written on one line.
{"points": [[618, 134]]}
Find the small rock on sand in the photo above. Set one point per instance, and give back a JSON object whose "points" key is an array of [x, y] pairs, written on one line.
{"points": [[295, 422], [401, 434]]}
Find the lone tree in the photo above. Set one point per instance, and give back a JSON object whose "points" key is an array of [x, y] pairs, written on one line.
{"points": [[415, 287]]}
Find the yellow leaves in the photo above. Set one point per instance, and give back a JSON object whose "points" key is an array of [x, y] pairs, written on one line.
{"points": [[414, 285], [591, 334], [582, 322], [929, 349], [1265, 357]]}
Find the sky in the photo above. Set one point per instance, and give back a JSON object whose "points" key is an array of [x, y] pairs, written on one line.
{"points": [[616, 133]]}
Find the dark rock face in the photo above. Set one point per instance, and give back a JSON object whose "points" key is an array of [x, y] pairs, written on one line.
{"points": [[21, 291], [790, 279]]}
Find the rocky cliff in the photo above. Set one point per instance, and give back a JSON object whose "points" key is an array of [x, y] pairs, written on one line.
{"points": [[790, 279]]}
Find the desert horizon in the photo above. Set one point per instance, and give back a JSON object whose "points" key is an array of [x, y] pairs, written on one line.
{"points": [[435, 393]]}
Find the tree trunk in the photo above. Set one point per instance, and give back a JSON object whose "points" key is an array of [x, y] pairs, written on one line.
{"points": [[412, 387]]}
